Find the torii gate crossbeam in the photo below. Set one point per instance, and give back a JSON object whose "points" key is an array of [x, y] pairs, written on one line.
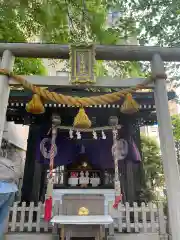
{"points": [[103, 52]]}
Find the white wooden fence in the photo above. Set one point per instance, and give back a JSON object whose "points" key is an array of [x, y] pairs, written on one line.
{"points": [[144, 218]]}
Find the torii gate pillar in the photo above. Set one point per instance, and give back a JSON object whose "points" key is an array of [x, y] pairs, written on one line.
{"points": [[170, 164], [7, 62]]}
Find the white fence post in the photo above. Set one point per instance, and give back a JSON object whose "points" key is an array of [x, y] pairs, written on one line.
{"points": [[152, 217], [22, 220], [120, 218], [38, 217], [14, 216], [128, 223], [144, 219], [56, 211], [111, 226], [136, 217], [30, 217], [162, 223]]}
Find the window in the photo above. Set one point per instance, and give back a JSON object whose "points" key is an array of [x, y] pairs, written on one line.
{"points": [[113, 17]]}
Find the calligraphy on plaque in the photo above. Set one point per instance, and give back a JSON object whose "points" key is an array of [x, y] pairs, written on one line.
{"points": [[82, 64]]}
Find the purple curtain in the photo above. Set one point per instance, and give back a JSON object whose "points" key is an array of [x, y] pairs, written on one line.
{"points": [[99, 152], [133, 149], [65, 148]]}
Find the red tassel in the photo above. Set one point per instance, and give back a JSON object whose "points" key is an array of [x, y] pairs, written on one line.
{"points": [[48, 209], [117, 201]]}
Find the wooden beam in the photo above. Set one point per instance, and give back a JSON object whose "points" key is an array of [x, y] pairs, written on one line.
{"points": [[88, 130], [117, 52], [63, 81]]}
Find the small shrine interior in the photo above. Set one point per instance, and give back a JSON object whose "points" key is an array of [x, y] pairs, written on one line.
{"points": [[82, 173]]}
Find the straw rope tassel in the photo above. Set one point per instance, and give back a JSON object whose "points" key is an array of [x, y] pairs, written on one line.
{"points": [[117, 184], [48, 201], [81, 120], [129, 106], [35, 106]]}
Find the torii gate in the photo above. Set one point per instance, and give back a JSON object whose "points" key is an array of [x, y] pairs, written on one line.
{"points": [[126, 53]]}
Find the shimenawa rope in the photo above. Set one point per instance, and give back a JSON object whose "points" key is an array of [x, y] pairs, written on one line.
{"points": [[69, 100]]}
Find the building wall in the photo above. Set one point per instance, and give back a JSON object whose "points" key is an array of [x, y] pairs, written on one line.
{"points": [[173, 108], [112, 19], [14, 146], [17, 134], [54, 67], [18, 156]]}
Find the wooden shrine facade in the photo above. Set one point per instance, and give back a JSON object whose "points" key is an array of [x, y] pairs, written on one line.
{"points": [[35, 176]]}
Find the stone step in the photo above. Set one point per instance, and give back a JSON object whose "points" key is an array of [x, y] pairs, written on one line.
{"points": [[137, 236], [30, 236], [36, 236]]}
